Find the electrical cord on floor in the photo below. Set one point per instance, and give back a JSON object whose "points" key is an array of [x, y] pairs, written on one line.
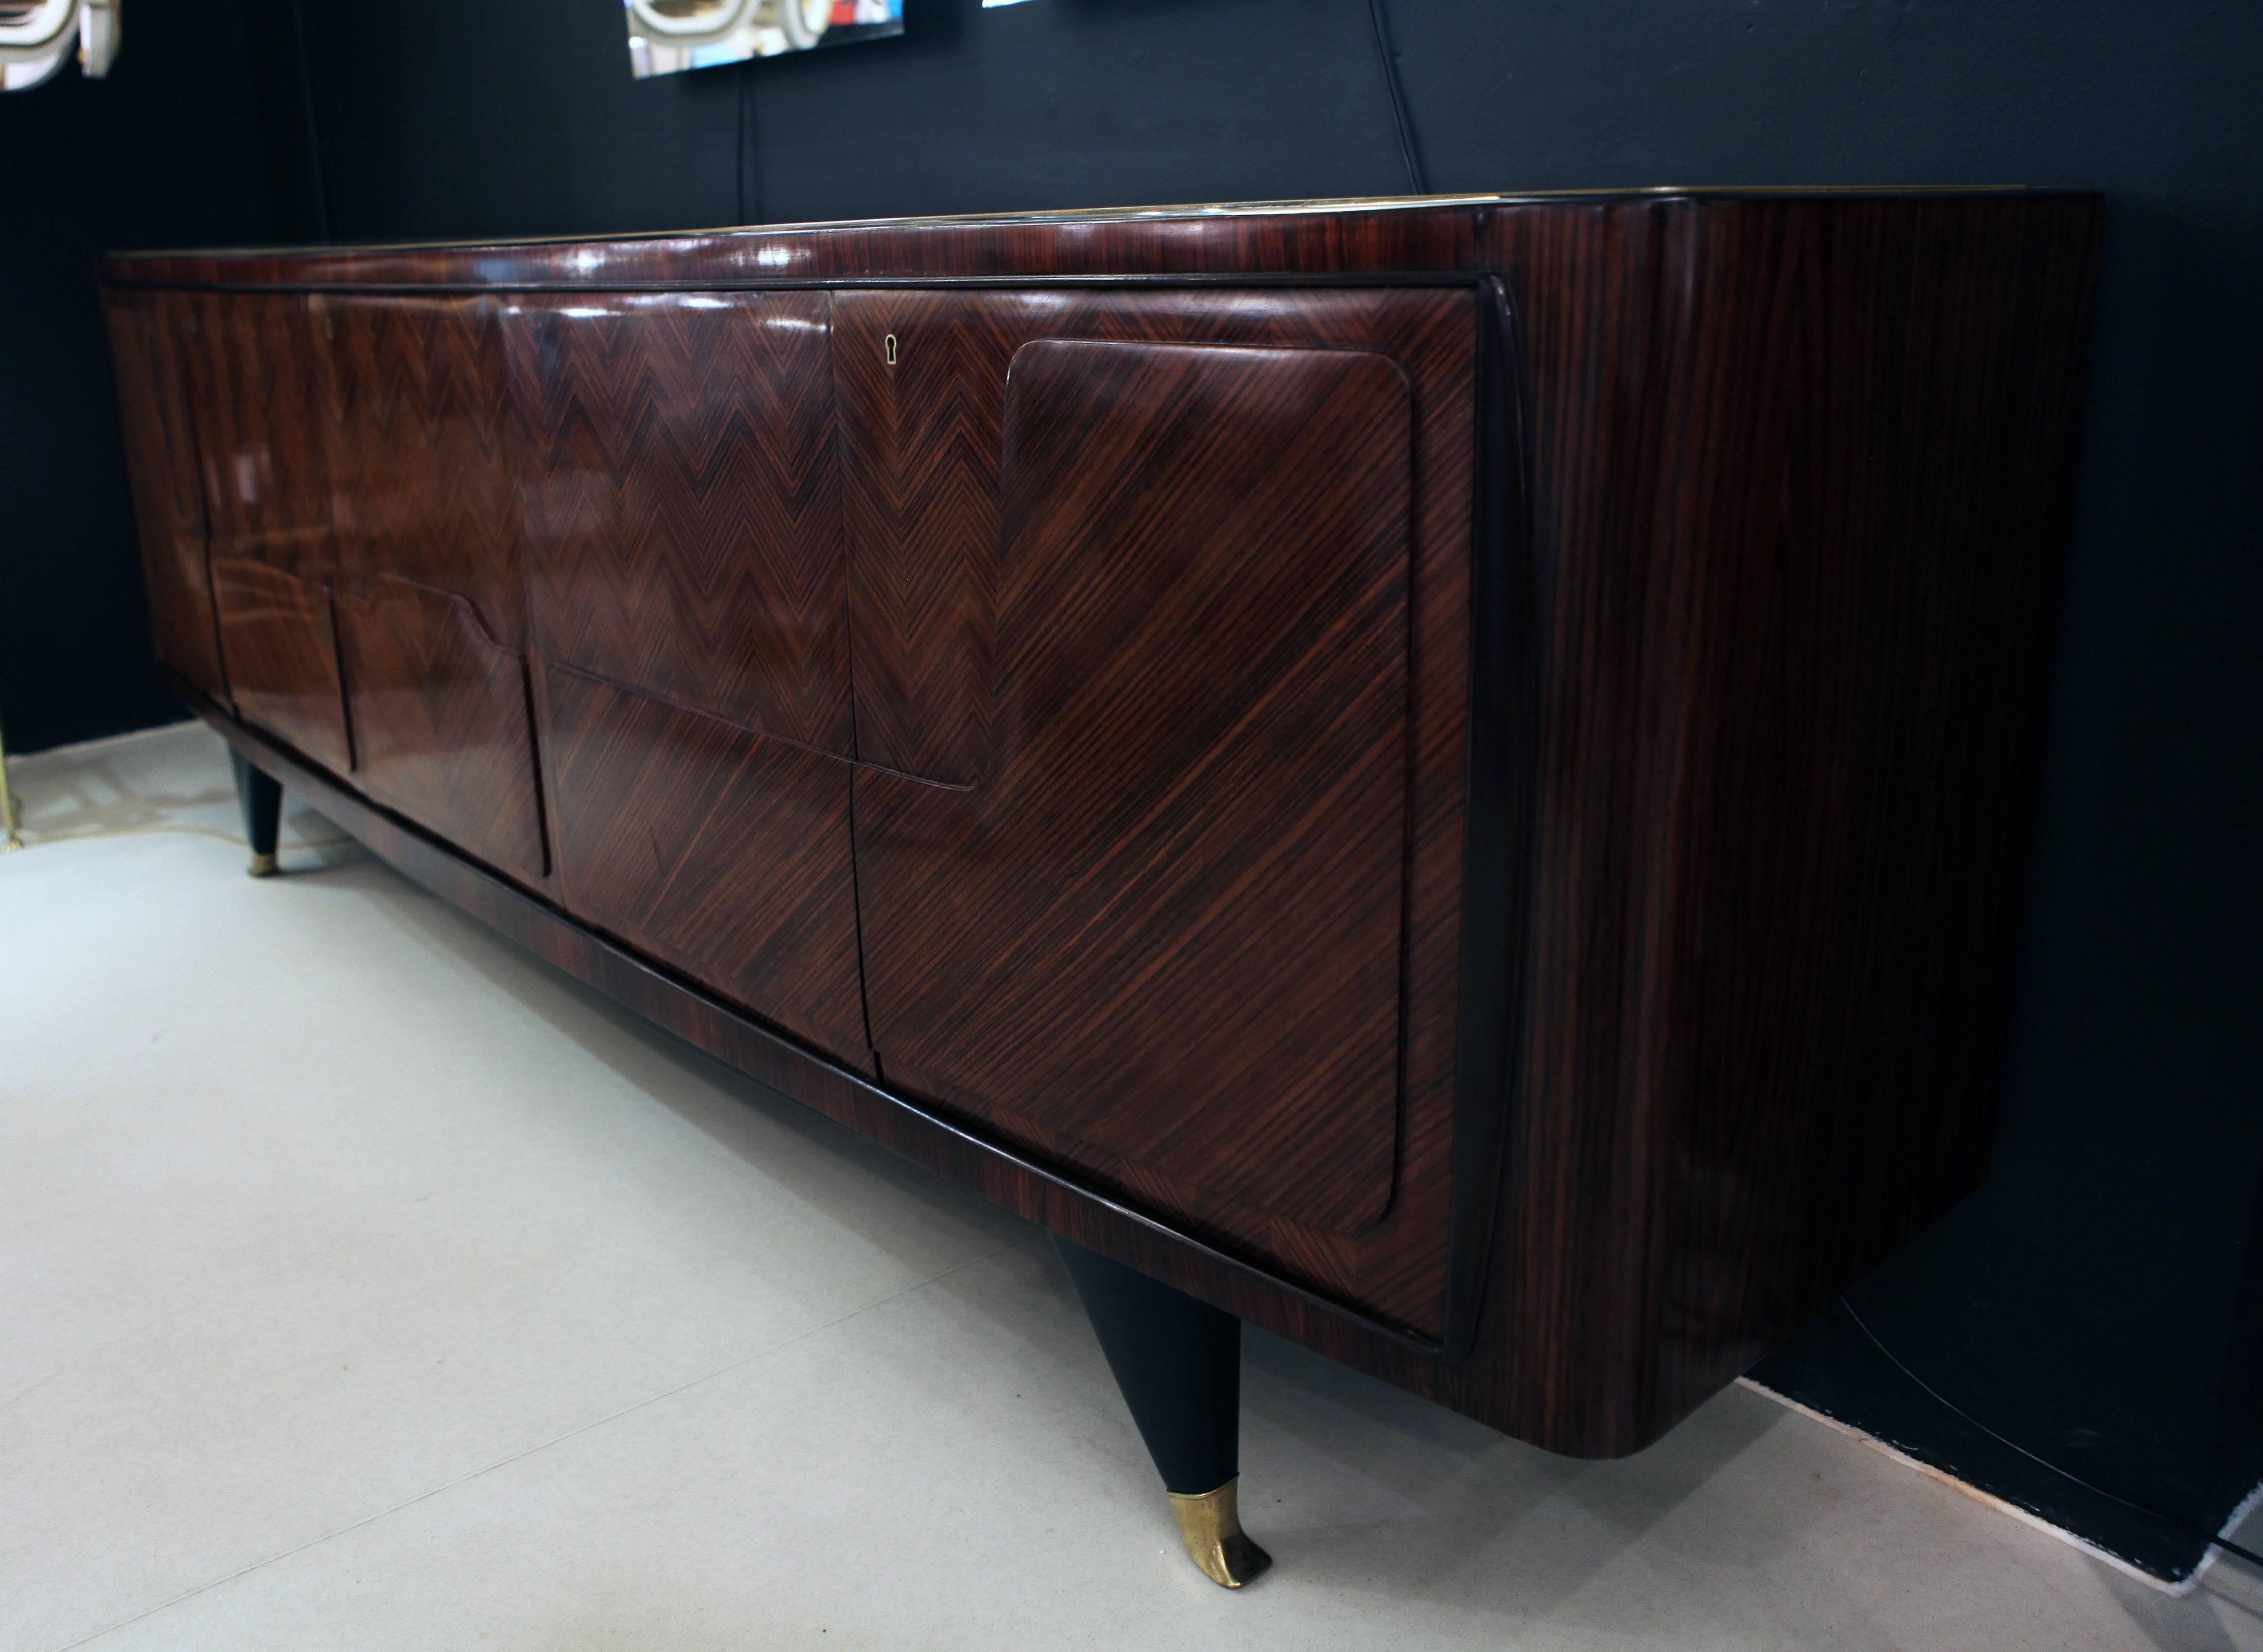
{"points": [[1414, 179], [1955, 1410]]}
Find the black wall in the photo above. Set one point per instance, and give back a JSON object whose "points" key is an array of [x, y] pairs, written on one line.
{"points": [[166, 151], [2099, 1301]]}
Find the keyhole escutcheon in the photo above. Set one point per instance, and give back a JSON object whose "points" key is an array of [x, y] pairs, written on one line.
{"points": [[888, 349]]}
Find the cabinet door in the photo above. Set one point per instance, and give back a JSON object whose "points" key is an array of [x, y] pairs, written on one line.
{"points": [[425, 522], [1149, 794], [681, 487], [262, 415], [146, 334]]}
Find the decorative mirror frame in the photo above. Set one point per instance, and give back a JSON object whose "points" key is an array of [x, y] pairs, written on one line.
{"points": [[38, 36], [667, 37]]}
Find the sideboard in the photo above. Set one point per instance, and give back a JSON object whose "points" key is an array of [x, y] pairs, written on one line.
{"points": [[1448, 777]]}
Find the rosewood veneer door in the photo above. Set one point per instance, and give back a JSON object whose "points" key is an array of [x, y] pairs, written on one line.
{"points": [[1152, 775], [146, 339], [682, 496], [425, 519], [262, 421]]}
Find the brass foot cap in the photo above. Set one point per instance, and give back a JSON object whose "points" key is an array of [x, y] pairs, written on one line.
{"points": [[264, 866], [1210, 1524]]}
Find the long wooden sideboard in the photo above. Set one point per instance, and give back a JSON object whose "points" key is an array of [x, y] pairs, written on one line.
{"points": [[1447, 777]]}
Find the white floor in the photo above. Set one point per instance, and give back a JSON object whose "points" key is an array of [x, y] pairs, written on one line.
{"points": [[364, 1284]]}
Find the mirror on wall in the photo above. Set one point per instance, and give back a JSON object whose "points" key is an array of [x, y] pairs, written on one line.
{"points": [[37, 37], [667, 37]]}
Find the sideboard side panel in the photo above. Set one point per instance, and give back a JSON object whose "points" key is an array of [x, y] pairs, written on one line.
{"points": [[1878, 434], [1798, 477]]}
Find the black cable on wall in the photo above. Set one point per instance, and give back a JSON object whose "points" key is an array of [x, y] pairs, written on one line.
{"points": [[2214, 1540], [313, 131], [1415, 182]]}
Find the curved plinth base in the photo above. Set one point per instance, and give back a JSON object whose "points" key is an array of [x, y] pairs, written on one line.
{"points": [[264, 866], [1210, 1525]]}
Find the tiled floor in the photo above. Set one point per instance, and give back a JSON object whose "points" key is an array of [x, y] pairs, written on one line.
{"points": [[364, 1284]]}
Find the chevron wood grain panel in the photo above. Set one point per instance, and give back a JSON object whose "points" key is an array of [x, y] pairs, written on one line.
{"points": [[420, 486], [146, 335], [920, 433], [263, 424], [924, 505], [716, 850], [441, 721], [279, 642], [683, 501]]}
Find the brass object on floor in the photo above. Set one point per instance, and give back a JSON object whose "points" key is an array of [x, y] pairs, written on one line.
{"points": [[264, 866], [10, 816], [1210, 1524]]}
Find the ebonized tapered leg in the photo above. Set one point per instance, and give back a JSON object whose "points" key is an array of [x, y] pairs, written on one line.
{"points": [[1178, 1361], [261, 794]]}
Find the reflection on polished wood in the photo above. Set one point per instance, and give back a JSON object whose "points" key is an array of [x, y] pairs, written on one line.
{"points": [[420, 486], [257, 409], [147, 335], [280, 643], [1449, 778], [259, 414], [425, 527], [725, 853], [441, 727]]}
